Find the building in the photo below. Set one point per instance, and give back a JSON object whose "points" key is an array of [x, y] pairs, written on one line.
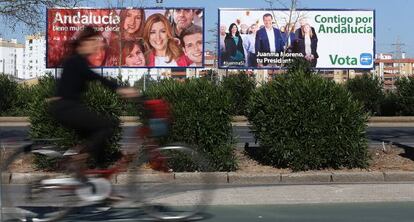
{"points": [[390, 69], [35, 56], [11, 58]]}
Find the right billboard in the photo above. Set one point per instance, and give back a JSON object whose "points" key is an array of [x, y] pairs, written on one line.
{"points": [[327, 38]]}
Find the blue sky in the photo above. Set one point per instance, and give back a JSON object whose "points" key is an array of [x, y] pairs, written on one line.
{"points": [[392, 17]]}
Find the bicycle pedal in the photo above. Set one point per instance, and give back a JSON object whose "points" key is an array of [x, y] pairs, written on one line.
{"points": [[101, 209]]}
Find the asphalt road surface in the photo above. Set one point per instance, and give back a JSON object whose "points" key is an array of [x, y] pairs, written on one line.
{"points": [[362, 212], [403, 137]]}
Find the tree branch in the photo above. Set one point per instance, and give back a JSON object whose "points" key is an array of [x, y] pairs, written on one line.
{"points": [[30, 13]]}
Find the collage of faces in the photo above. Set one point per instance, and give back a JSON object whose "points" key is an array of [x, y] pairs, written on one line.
{"points": [[140, 38]]}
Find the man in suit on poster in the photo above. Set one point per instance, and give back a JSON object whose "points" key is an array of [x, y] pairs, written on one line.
{"points": [[268, 39]]}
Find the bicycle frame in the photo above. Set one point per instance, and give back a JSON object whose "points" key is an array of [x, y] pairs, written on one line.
{"points": [[153, 109]]}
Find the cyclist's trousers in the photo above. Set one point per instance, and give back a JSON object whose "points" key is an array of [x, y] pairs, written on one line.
{"points": [[89, 125]]}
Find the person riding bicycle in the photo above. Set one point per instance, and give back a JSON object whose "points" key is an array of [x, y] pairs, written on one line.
{"points": [[67, 107]]}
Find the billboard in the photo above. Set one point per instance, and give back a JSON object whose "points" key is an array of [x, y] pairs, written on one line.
{"points": [[131, 37], [327, 38]]}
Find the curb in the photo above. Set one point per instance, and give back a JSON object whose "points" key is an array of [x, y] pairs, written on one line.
{"points": [[378, 119], [236, 178]]}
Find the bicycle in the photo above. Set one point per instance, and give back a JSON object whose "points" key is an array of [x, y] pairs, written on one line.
{"points": [[149, 176]]}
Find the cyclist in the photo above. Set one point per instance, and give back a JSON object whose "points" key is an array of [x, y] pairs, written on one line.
{"points": [[67, 108]]}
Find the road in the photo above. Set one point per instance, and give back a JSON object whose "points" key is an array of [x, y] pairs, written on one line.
{"points": [[362, 212], [403, 136], [265, 203]]}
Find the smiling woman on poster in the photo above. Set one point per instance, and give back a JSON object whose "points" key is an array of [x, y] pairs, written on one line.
{"points": [[234, 47], [307, 44], [133, 53], [165, 50], [132, 23], [131, 27]]}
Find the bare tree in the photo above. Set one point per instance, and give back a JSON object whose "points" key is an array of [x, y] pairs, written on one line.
{"points": [[213, 43], [30, 13], [293, 16]]}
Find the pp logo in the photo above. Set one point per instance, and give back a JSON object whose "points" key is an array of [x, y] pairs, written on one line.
{"points": [[365, 59]]}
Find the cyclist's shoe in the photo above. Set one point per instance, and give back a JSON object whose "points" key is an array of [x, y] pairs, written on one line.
{"points": [[158, 162], [123, 161], [115, 198], [74, 150], [74, 162]]}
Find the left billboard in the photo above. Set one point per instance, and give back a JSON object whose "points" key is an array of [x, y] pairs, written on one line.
{"points": [[131, 37]]}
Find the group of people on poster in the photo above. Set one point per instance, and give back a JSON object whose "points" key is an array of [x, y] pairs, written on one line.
{"points": [[243, 45], [150, 38]]}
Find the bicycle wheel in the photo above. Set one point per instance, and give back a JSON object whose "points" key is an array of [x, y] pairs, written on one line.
{"points": [[162, 182], [28, 195]]}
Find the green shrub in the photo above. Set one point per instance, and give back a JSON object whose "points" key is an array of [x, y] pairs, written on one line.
{"points": [[8, 94], [390, 105], [201, 118], [405, 93], [368, 90], [23, 98], [240, 87], [14, 97], [44, 126], [130, 107], [304, 122]]}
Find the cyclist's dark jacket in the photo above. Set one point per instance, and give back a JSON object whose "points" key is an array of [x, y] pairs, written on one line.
{"points": [[76, 73]]}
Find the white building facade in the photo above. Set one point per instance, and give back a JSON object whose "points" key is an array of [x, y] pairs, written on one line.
{"points": [[11, 58], [35, 56]]}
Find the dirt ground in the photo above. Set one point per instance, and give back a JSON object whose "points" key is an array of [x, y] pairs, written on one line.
{"points": [[389, 159]]}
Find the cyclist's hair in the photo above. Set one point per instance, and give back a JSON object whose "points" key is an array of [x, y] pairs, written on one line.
{"points": [[85, 34], [72, 45]]}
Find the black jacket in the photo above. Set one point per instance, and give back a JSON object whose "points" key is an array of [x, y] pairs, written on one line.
{"points": [[232, 48], [75, 76], [299, 46]]}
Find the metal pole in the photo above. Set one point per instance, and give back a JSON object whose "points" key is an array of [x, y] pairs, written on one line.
{"points": [[15, 65], [145, 79]]}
